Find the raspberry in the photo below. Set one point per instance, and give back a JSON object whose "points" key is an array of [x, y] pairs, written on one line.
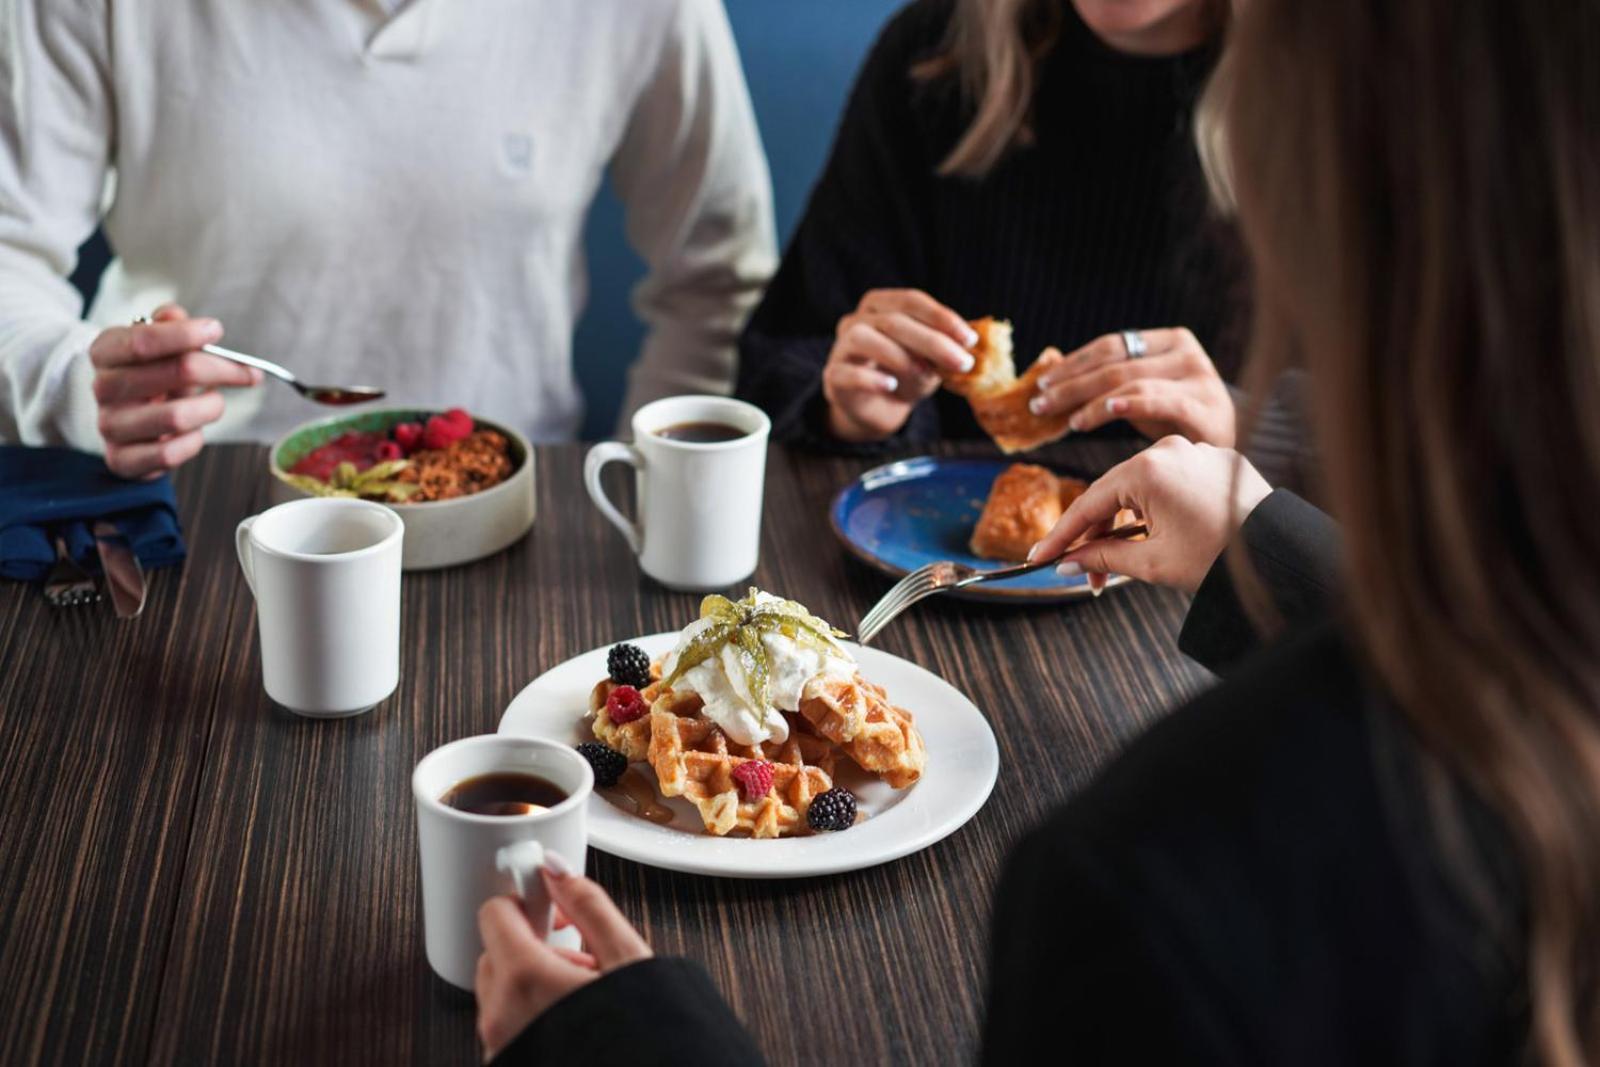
{"points": [[459, 417], [754, 778], [625, 705], [833, 810], [442, 432], [607, 762], [388, 450], [408, 435], [628, 665]]}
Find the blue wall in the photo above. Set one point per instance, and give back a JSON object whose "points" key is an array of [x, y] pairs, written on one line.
{"points": [[800, 58]]}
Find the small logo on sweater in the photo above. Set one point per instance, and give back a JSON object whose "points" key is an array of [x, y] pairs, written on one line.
{"points": [[516, 155]]}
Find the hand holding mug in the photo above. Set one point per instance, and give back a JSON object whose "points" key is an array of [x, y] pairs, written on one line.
{"points": [[887, 357], [1181, 491], [520, 976], [1167, 386], [156, 390]]}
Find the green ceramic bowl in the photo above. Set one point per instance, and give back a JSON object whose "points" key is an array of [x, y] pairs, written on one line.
{"points": [[439, 533]]}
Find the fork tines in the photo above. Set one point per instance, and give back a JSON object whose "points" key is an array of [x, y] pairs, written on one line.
{"points": [[919, 584]]}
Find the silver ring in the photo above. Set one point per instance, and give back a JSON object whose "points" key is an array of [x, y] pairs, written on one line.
{"points": [[1134, 343]]}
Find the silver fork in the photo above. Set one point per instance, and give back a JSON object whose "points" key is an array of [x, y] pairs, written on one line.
{"points": [[68, 585], [931, 578]]}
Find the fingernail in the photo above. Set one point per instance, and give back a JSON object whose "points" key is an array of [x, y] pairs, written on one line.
{"points": [[891, 384], [1043, 384], [1075, 424], [1033, 553], [1038, 405], [556, 865], [967, 362], [211, 327], [1069, 569], [970, 338], [1116, 405]]}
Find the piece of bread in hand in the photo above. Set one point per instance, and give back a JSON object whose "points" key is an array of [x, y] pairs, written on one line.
{"points": [[999, 398], [993, 367], [1024, 504]]}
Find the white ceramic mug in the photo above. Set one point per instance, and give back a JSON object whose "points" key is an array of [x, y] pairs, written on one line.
{"points": [[699, 525], [326, 577], [467, 858]]}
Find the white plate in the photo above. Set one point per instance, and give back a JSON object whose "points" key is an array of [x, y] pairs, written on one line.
{"points": [[963, 762]]}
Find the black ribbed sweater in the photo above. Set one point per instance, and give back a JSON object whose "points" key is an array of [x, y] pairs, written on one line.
{"points": [[1101, 224]]}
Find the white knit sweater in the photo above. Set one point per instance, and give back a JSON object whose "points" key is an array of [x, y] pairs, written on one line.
{"points": [[373, 196]]}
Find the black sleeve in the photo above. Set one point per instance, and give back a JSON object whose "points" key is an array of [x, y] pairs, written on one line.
{"points": [[1294, 549], [657, 1011], [1070, 970], [862, 230]]}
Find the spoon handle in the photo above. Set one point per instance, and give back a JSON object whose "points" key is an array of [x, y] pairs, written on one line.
{"points": [[251, 361]]}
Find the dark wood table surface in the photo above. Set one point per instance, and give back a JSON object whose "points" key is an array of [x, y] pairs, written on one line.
{"points": [[188, 874]]}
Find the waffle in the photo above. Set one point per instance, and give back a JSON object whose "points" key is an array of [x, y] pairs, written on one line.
{"points": [[632, 739], [857, 716], [694, 759]]}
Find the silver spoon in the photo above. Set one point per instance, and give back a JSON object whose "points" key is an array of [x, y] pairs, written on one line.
{"points": [[336, 395]]}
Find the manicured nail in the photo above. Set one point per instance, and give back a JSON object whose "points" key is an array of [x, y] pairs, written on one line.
{"points": [[1117, 405], [1044, 384], [211, 327], [967, 362], [1038, 405], [556, 865], [1033, 553], [1075, 424], [891, 384], [1069, 569], [970, 338]]}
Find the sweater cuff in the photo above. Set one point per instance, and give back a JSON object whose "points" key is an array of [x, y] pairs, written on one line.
{"points": [[1294, 550], [656, 1011]]}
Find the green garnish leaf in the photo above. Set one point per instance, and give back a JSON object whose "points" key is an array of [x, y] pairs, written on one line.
{"points": [[753, 658], [705, 644]]}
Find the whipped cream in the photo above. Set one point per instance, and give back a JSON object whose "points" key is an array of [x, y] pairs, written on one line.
{"points": [[720, 682]]}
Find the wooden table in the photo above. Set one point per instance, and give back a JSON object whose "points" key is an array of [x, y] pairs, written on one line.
{"points": [[189, 874]]}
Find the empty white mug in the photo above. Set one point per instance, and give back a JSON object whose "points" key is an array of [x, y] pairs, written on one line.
{"points": [[468, 858], [326, 577], [699, 524]]}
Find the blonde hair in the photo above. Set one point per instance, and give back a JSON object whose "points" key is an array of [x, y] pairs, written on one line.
{"points": [[994, 48]]}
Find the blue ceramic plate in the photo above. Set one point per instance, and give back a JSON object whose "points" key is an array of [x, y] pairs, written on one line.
{"points": [[899, 516]]}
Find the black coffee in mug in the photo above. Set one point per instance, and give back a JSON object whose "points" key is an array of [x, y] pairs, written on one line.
{"points": [[503, 793], [701, 433]]}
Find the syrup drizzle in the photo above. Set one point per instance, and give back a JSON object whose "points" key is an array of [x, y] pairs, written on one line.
{"points": [[636, 794]]}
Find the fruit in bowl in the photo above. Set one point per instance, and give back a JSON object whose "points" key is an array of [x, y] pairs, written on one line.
{"points": [[462, 485], [444, 457]]}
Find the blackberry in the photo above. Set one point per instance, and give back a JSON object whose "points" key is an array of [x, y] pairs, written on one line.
{"points": [[833, 810], [628, 665], [607, 762]]}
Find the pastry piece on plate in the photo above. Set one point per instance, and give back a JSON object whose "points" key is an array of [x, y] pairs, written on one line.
{"points": [[999, 398], [1024, 503], [763, 790], [857, 716]]}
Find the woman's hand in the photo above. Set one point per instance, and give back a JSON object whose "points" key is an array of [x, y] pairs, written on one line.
{"points": [[886, 358], [519, 976], [1181, 492], [156, 391], [1173, 388]]}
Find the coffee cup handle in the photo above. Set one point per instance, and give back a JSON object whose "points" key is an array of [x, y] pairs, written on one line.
{"points": [[601, 454], [241, 544], [522, 862]]}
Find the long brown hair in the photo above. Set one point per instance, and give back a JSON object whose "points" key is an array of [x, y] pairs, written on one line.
{"points": [[994, 48], [1419, 186]]}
